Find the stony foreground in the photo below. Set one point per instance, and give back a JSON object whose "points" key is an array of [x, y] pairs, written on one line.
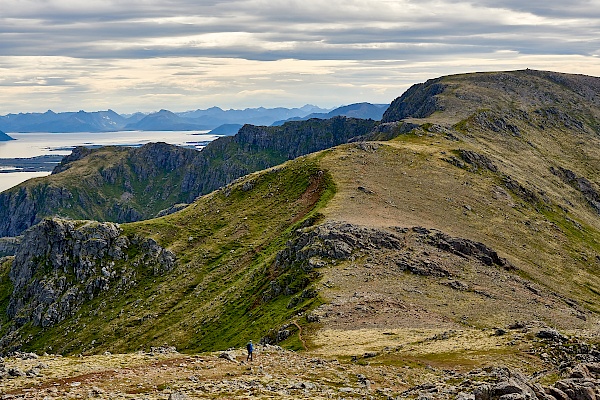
{"points": [[572, 373]]}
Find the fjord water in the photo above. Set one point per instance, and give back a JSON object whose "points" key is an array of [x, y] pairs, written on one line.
{"points": [[29, 145]]}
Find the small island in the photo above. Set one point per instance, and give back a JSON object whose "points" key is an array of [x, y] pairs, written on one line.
{"points": [[4, 137]]}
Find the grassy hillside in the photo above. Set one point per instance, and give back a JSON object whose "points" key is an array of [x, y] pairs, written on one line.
{"points": [[225, 244]]}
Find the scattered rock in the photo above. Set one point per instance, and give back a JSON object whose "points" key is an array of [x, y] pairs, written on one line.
{"points": [[363, 381], [15, 372], [96, 392], [229, 356], [457, 285], [163, 350], [365, 190], [551, 334]]}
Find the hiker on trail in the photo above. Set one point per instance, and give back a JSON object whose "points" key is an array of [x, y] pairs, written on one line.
{"points": [[250, 348]]}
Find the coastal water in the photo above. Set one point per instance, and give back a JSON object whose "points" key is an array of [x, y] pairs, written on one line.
{"points": [[28, 145]]}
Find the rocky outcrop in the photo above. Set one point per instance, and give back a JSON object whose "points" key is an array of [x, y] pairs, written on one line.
{"points": [[387, 131], [478, 160], [581, 184], [62, 264], [419, 101], [315, 247], [472, 161], [171, 210], [9, 246], [583, 383], [463, 247], [78, 153]]}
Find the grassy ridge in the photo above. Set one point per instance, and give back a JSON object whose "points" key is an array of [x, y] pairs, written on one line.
{"points": [[225, 244]]}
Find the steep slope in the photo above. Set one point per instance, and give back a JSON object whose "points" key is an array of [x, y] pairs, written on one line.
{"points": [[124, 185], [509, 160], [206, 279]]}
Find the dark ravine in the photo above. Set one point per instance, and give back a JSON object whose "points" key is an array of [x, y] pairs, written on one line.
{"points": [[125, 185]]}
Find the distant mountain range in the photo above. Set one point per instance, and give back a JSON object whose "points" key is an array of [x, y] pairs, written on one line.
{"points": [[223, 122], [4, 137], [357, 110]]}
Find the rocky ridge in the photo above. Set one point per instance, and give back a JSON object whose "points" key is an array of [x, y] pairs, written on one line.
{"points": [[61, 264], [125, 185]]}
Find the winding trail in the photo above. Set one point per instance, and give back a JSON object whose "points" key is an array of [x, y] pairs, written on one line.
{"points": [[300, 334]]}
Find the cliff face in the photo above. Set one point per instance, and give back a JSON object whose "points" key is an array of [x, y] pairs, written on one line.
{"points": [[255, 148], [419, 101], [62, 264], [108, 184], [125, 185]]}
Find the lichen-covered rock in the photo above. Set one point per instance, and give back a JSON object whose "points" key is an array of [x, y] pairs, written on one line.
{"points": [[333, 241]]}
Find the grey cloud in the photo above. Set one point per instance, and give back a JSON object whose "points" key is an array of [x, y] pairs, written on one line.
{"points": [[547, 8], [87, 33]]}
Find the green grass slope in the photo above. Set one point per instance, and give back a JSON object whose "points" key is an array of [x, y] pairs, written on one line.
{"points": [[225, 244]]}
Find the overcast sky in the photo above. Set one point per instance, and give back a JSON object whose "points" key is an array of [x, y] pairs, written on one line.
{"points": [[144, 55]]}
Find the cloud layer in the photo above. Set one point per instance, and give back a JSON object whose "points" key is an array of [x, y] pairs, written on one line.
{"points": [[183, 54]]}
